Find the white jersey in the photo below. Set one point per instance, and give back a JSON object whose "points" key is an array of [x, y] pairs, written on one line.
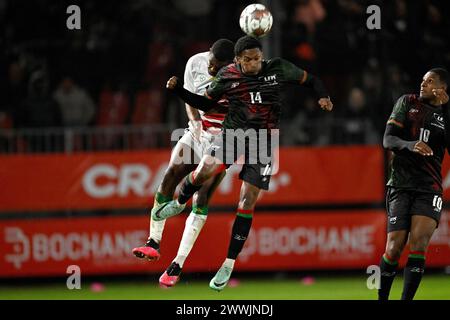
{"points": [[196, 80]]}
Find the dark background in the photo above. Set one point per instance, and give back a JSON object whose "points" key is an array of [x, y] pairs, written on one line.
{"points": [[119, 61]]}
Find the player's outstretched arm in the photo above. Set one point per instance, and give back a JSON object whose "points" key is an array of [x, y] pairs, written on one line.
{"points": [[392, 141], [316, 84], [194, 100]]}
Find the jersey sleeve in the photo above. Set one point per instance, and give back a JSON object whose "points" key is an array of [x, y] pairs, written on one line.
{"points": [[218, 86], [291, 72], [189, 75], [398, 115]]}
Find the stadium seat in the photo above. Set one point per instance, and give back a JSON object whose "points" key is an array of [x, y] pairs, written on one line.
{"points": [[113, 111], [147, 111]]}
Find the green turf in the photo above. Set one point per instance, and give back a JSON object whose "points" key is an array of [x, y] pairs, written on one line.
{"points": [[323, 288]]}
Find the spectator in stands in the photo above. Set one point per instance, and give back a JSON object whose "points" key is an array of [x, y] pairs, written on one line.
{"points": [[307, 127], [38, 109], [358, 128], [14, 90], [77, 107]]}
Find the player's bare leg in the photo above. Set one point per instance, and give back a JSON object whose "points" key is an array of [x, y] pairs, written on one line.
{"points": [[175, 172], [193, 226], [240, 231], [395, 243], [208, 167], [422, 228]]}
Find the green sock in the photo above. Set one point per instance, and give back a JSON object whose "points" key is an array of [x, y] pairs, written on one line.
{"points": [[202, 210], [160, 198]]}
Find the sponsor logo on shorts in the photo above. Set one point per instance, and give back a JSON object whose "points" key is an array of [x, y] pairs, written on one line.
{"points": [[393, 220]]}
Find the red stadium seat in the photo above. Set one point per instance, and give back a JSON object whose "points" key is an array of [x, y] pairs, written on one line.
{"points": [[147, 110], [113, 111]]}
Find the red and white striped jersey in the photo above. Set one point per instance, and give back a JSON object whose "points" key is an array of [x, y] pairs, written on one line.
{"points": [[196, 80]]}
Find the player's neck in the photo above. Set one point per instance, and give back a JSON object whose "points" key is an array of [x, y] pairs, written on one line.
{"points": [[434, 102]]}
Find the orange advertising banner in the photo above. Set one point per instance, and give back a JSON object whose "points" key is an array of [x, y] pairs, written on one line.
{"points": [[294, 241], [130, 179]]}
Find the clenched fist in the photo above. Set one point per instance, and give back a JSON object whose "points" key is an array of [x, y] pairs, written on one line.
{"points": [[326, 104], [172, 83]]}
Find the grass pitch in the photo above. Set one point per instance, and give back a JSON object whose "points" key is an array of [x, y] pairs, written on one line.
{"points": [[322, 287]]}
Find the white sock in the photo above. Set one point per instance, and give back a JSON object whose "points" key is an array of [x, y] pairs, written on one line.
{"points": [[156, 229], [229, 263], [194, 224]]}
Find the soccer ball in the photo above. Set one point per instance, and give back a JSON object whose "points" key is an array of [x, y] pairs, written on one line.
{"points": [[256, 20]]}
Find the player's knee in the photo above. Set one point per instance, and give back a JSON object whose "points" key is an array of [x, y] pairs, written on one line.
{"points": [[247, 202], [419, 243], [203, 173], [200, 199], [394, 249], [200, 176]]}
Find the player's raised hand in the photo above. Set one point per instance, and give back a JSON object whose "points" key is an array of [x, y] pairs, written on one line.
{"points": [[326, 104], [172, 83], [422, 148], [441, 95]]}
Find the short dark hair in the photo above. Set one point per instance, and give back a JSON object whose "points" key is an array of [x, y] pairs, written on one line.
{"points": [[246, 42], [442, 73], [222, 49]]}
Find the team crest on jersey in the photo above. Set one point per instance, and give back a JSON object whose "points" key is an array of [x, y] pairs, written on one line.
{"points": [[439, 121], [270, 78], [439, 118], [413, 111], [234, 85]]}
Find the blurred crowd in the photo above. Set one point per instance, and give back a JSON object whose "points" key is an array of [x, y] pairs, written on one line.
{"points": [[113, 71]]}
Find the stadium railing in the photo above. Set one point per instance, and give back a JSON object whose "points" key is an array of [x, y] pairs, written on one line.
{"points": [[138, 137], [84, 139]]}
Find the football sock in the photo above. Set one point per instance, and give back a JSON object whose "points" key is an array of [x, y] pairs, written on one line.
{"points": [[241, 229], [188, 189], [412, 275], [157, 227], [194, 224], [160, 199], [388, 268]]}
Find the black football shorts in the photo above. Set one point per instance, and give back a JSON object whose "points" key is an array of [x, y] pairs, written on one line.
{"points": [[255, 155], [402, 204]]}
